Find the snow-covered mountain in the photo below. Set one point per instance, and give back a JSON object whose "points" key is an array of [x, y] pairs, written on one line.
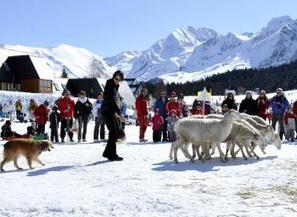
{"points": [[76, 62], [191, 54]]}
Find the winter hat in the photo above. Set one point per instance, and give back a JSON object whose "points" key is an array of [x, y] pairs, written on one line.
{"points": [[173, 111], [173, 94], [46, 103]]}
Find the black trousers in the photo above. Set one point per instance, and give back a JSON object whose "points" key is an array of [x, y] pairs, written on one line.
{"points": [[164, 130], [82, 125], [157, 135], [40, 128], [66, 125], [54, 134], [280, 119], [111, 124], [99, 123]]}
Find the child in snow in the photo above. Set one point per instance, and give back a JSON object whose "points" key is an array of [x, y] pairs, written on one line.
{"points": [[289, 120], [171, 120], [54, 123], [7, 133], [157, 124]]}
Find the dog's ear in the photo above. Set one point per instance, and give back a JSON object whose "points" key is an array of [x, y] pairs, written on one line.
{"points": [[43, 145]]}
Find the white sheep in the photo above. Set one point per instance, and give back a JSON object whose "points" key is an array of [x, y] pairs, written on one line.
{"points": [[203, 132], [242, 134], [265, 129]]}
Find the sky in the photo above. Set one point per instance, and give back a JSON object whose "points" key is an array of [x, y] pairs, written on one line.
{"points": [[108, 27]]}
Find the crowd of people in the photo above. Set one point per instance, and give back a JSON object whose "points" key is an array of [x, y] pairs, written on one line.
{"points": [[167, 110], [109, 110]]}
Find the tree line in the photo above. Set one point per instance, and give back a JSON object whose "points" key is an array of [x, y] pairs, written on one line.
{"points": [[240, 80]]}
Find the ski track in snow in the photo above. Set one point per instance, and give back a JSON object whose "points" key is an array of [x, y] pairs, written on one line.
{"points": [[78, 181]]}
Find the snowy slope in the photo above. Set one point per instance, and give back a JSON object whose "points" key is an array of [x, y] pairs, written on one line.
{"points": [[76, 62], [190, 54], [166, 55], [77, 181]]}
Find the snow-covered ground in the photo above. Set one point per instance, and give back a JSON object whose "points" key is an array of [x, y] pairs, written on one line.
{"points": [[78, 181]]}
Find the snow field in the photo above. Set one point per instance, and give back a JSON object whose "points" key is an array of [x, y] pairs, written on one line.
{"points": [[77, 181]]}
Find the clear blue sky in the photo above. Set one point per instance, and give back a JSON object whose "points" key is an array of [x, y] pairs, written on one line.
{"points": [[107, 27]]}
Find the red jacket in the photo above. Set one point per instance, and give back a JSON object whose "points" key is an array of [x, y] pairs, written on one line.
{"points": [[171, 105], [66, 107], [157, 121], [41, 114], [141, 106], [287, 116], [295, 108], [262, 107]]}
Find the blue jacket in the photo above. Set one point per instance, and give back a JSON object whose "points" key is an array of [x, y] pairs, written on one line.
{"points": [[279, 109], [159, 104]]}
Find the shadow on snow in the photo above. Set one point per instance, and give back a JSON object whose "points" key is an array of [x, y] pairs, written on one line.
{"points": [[210, 165], [47, 170]]}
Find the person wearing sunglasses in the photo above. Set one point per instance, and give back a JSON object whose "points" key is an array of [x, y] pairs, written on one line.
{"points": [[110, 110], [279, 104]]}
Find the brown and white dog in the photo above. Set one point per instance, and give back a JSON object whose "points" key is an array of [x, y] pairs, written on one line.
{"points": [[28, 148]]}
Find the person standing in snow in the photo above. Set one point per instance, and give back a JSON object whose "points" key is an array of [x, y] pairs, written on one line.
{"points": [[18, 108], [157, 124], [262, 103], [124, 112], [110, 111], [183, 106], [31, 108], [11, 109], [66, 107], [142, 113], [173, 105], [279, 104], [41, 116], [171, 120], [98, 118], [54, 119], [248, 105], [161, 105], [289, 119], [82, 110]]}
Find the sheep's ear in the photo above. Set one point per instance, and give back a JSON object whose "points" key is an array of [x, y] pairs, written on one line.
{"points": [[257, 136]]}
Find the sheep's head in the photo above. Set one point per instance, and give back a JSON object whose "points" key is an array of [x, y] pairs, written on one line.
{"points": [[277, 141], [260, 141], [233, 114]]}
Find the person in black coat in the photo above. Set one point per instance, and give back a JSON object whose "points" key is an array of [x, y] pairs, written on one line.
{"points": [[110, 111], [82, 111], [230, 102], [54, 119], [248, 105]]}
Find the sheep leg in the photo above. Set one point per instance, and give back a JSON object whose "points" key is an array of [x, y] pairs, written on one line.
{"points": [[198, 152], [205, 151], [213, 149], [175, 153], [232, 148], [247, 147], [227, 150], [194, 151], [171, 151], [187, 154], [242, 152], [222, 156]]}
